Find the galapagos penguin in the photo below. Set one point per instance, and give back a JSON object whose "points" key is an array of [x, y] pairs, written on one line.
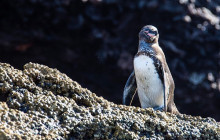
{"points": [[151, 77]]}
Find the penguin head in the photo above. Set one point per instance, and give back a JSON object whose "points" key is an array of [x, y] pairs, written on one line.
{"points": [[149, 34]]}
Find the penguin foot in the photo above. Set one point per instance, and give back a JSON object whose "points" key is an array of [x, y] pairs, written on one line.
{"points": [[160, 108]]}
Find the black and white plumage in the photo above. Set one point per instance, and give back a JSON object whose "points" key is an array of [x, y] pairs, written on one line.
{"points": [[151, 77]]}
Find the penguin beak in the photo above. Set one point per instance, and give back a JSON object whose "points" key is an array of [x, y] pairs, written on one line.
{"points": [[149, 34]]}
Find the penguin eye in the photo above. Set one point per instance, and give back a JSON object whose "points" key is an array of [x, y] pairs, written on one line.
{"points": [[146, 30], [154, 32]]}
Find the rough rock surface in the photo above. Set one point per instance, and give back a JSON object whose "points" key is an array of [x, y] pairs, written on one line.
{"points": [[60, 33], [44, 103]]}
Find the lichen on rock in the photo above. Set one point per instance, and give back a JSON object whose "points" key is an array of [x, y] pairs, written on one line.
{"points": [[42, 103]]}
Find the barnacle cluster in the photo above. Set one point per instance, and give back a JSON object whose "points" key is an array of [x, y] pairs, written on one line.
{"points": [[41, 102]]}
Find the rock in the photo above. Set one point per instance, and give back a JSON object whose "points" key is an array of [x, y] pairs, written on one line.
{"points": [[105, 31], [43, 103]]}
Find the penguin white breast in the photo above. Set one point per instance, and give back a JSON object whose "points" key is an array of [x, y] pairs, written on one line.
{"points": [[149, 85]]}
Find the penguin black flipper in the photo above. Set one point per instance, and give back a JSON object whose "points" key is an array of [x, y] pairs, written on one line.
{"points": [[162, 75], [166, 89], [167, 80], [169, 90], [130, 89]]}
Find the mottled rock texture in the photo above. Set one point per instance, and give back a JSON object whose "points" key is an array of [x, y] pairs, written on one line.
{"points": [[41, 102], [70, 34]]}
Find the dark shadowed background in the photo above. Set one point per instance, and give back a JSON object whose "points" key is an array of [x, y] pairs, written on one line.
{"points": [[94, 42]]}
